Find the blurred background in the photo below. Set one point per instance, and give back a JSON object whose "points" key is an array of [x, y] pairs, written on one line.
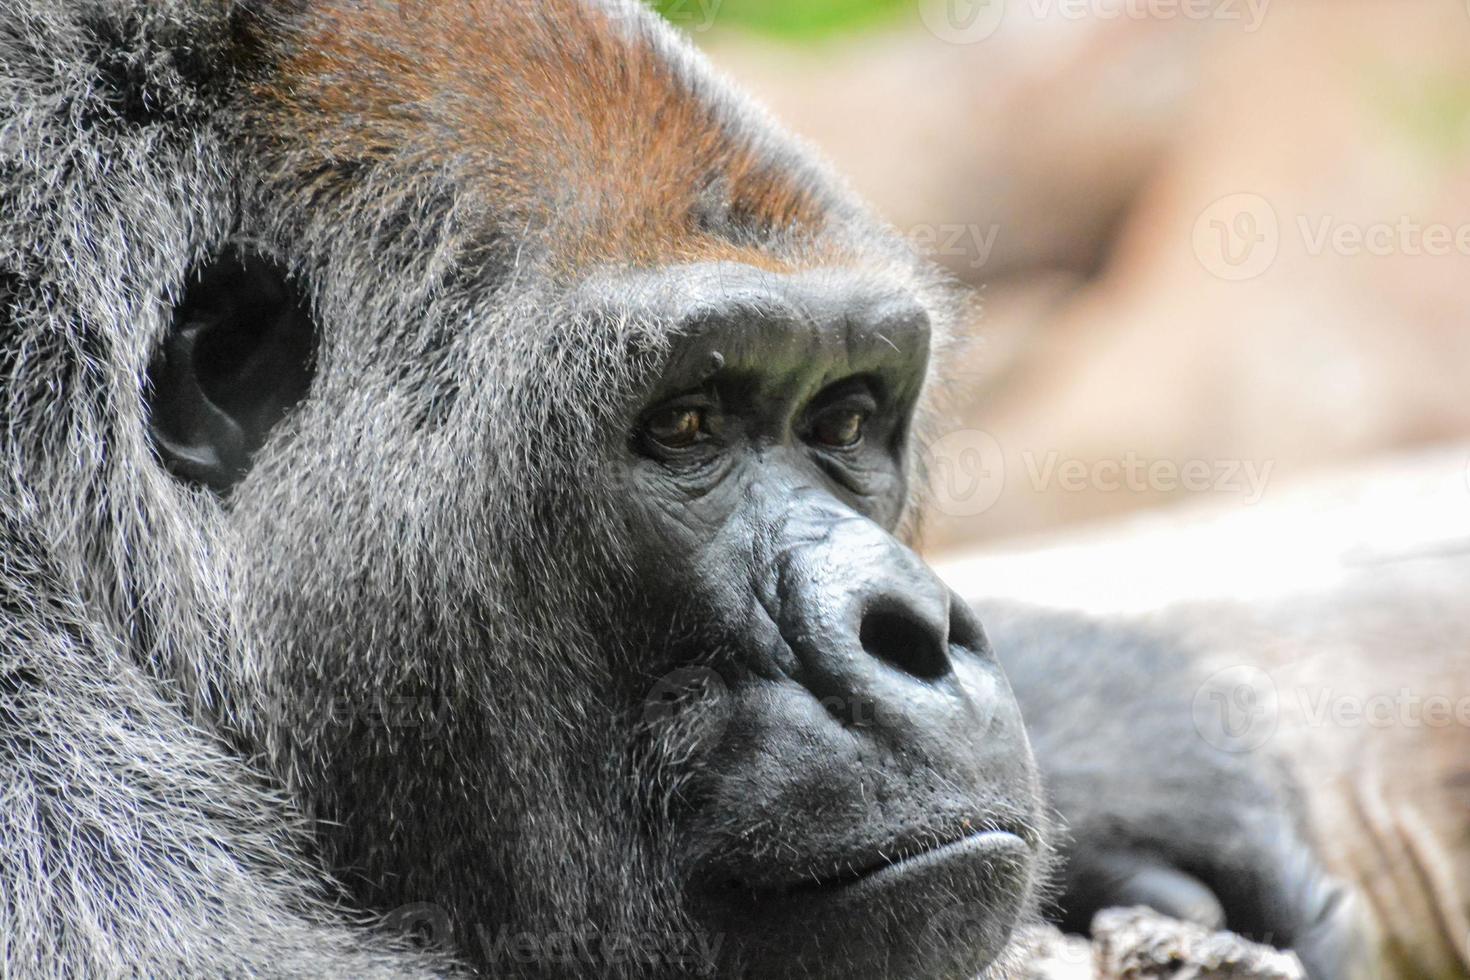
{"points": [[1219, 246]]}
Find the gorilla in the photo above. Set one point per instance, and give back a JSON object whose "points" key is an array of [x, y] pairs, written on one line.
{"points": [[456, 464], [1291, 765], [1160, 808]]}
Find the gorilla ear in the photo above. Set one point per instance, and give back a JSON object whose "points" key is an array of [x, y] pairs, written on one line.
{"points": [[241, 354]]}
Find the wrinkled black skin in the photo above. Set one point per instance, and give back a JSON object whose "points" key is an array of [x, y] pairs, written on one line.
{"points": [[852, 675], [868, 786], [1151, 812]]}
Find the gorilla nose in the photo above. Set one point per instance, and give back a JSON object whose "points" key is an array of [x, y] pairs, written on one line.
{"points": [[865, 616], [912, 636]]}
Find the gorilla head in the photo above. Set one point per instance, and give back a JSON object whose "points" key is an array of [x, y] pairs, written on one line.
{"points": [[540, 423]]}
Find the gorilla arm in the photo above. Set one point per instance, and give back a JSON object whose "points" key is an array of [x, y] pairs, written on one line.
{"points": [[1155, 814], [130, 842], [1329, 812]]}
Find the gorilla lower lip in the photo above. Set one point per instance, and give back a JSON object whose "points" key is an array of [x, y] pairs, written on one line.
{"points": [[975, 847]]}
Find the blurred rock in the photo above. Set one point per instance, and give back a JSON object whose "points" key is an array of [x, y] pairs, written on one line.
{"points": [[1050, 955], [1138, 944]]}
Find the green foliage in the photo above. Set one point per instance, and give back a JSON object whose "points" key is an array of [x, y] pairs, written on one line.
{"points": [[786, 18], [1432, 110], [1441, 115]]}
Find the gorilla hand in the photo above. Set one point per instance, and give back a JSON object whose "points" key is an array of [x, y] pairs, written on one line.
{"points": [[1161, 808]]}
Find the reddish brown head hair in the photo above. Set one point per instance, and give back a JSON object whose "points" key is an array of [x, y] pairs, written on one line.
{"points": [[579, 118]]}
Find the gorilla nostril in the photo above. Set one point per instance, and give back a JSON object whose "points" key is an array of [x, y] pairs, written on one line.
{"points": [[897, 636], [965, 630]]}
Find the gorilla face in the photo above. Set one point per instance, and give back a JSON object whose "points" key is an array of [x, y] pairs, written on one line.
{"points": [[686, 692], [868, 773], [566, 589]]}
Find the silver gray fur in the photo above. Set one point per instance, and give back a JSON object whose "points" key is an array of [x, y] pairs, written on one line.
{"points": [[163, 654]]}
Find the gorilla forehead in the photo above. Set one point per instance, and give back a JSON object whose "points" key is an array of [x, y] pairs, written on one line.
{"points": [[482, 160], [586, 122]]}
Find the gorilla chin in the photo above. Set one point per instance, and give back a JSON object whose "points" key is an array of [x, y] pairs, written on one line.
{"points": [[945, 912]]}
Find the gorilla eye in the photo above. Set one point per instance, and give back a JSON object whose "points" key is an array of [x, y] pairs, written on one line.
{"points": [[675, 428], [839, 415], [840, 428]]}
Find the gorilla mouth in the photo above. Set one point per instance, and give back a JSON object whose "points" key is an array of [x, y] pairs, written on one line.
{"points": [[922, 904], [979, 846], [982, 844]]}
